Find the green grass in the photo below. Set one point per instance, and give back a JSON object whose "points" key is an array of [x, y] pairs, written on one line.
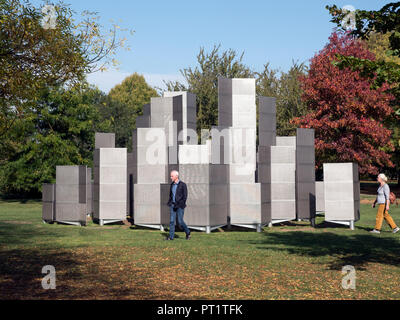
{"points": [[292, 261]]}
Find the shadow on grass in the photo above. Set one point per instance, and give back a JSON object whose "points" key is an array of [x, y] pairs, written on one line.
{"points": [[81, 272], [357, 249]]}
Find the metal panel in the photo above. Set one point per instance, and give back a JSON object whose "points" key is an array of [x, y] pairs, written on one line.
{"points": [[110, 184], [342, 192], [305, 174], [71, 194], [104, 140], [48, 202]]}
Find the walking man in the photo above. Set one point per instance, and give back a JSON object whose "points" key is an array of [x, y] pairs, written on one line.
{"points": [[177, 205]]}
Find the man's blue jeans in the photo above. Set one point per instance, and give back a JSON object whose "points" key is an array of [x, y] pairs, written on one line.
{"points": [[173, 215]]}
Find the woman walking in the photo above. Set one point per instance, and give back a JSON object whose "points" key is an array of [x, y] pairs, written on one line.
{"points": [[383, 202]]}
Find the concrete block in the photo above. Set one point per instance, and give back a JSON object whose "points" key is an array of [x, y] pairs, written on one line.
{"points": [[236, 103], [71, 187], [143, 122], [104, 140], [342, 192], [154, 210], [195, 154], [305, 174], [242, 173], [157, 173], [110, 184], [245, 193], [319, 196], [189, 115], [305, 137], [89, 191], [286, 141], [246, 206], [283, 210], [48, 202], [204, 173]]}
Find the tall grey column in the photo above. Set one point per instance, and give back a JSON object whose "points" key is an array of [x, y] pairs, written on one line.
{"points": [[305, 174], [237, 111], [110, 171], [71, 184], [151, 191]]}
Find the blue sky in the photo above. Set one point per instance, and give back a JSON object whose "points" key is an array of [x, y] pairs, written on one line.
{"points": [[168, 34]]}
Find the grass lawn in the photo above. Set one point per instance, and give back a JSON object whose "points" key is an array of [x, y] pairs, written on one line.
{"points": [[292, 261]]}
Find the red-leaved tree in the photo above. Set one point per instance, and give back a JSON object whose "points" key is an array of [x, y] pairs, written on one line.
{"points": [[345, 112]]}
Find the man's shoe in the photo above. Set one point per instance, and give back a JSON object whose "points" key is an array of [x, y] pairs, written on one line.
{"points": [[188, 236], [395, 230], [168, 239], [375, 231]]}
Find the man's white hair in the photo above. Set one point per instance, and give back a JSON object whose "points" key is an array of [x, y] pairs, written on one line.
{"points": [[175, 172]]}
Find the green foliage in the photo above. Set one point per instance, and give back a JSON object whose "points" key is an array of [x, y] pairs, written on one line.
{"points": [[286, 88], [59, 131], [125, 102], [33, 57], [202, 80]]}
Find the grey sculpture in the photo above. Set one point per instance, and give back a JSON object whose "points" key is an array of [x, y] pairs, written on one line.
{"points": [[48, 202], [305, 175], [342, 193], [237, 111], [71, 184], [110, 185]]}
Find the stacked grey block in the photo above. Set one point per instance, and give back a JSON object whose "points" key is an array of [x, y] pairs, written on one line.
{"points": [[237, 110], [89, 191], [48, 202], [155, 154], [277, 169], [342, 193], [151, 191], [144, 120], [305, 175], [131, 176], [71, 184], [319, 196], [104, 140], [189, 115], [267, 121], [207, 204], [110, 179]]}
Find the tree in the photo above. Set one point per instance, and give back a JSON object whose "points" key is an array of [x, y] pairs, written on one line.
{"points": [[346, 113], [202, 80], [385, 21], [286, 88], [381, 30], [34, 55], [125, 102], [60, 131]]}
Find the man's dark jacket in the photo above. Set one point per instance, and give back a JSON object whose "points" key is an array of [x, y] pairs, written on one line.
{"points": [[180, 196]]}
